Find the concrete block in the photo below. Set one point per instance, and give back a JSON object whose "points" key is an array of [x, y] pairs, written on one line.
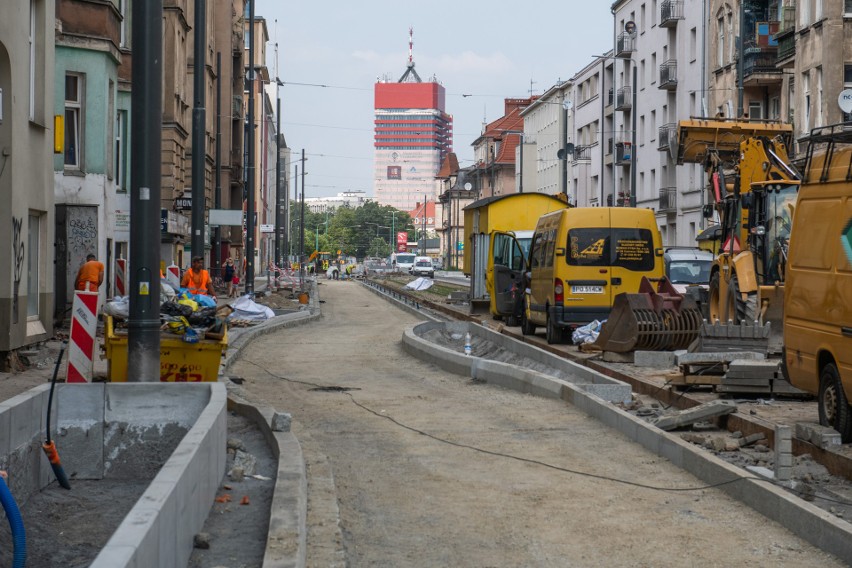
{"points": [[25, 420], [705, 358], [5, 430], [80, 424], [613, 357], [281, 422], [654, 359], [689, 416], [820, 436], [112, 556]]}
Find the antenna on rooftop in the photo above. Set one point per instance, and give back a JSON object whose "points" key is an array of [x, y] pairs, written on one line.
{"points": [[410, 67]]}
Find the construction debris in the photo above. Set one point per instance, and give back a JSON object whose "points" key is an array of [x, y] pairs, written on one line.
{"points": [[707, 411]]}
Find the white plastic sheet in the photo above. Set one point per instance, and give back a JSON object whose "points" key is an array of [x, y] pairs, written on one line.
{"points": [[246, 309], [421, 283], [587, 333]]}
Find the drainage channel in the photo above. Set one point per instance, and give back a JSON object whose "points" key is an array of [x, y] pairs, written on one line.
{"points": [[837, 463]]}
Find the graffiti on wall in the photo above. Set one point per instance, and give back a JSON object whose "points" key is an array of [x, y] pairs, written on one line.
{"points": [[81, 239], [18, 259]]}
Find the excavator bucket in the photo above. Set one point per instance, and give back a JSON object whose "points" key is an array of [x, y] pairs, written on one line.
{"points": [[653, 320], [695, 137]]}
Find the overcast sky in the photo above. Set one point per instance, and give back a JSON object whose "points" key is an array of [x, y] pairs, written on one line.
{"points": [[489, 50]]}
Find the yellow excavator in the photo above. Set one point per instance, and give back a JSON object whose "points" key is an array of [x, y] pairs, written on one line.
{"points": [[752, 188]]}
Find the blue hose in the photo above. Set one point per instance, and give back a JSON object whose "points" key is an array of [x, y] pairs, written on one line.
{"points": [[19, 537]]}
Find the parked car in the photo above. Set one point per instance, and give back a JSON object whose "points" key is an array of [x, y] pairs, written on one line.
{"points": [[686, 266], [423, 267]]}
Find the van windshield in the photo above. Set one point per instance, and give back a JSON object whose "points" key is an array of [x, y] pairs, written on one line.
{"points": [[405, 258], [627, 248]]}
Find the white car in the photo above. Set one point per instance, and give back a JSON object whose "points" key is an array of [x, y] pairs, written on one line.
{"points": [[423, 267], [688, 267]]}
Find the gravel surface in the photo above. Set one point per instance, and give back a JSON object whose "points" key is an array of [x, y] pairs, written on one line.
{"points": [[417, 467]]}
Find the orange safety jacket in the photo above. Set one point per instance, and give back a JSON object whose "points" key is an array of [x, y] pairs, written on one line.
{"points": [[196, 283]]}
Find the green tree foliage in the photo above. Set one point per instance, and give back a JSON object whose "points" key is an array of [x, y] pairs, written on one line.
{"points": [[368, 230]]}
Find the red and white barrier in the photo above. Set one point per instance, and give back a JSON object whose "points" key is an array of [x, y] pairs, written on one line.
{"points": [[81, 347], [173, 276], [121, 277]]}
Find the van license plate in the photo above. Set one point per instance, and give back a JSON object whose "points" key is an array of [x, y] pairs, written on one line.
{"points": [[587, 289]]}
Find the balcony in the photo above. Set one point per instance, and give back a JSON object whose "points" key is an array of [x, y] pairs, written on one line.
{"points": [[667, 136], [623, 153], [668, 200], [625, 45], [786, 52], [668, 75], [624, 98], [759, 66], [582, 154], [670, 12]]}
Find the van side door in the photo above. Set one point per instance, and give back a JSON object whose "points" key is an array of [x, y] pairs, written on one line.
{"points": [[506, 272]]}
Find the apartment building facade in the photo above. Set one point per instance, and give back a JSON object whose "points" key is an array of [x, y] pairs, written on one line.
{"points": [[26, 181], [548, 129], [659, 78]]}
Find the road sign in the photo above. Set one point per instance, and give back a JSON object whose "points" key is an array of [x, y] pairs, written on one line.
{"points": [[183, 204], [267, 228]]}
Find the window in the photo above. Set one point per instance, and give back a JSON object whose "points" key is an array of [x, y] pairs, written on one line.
{"points": [[806, 94], [720, 43], [818, 106], [693, 44], [847, 8], [847, 82], [121, 151], [804, 13], [33, 67], [774, 108], [73, 120], [122, 9], [817, 10], [32, 251]]}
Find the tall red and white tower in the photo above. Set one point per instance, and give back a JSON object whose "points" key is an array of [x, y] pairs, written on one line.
{"points": [[413, 135]]}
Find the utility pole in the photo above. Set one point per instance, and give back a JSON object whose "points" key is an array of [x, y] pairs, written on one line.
{"points": [[217, 198], [302, 251], [143, 343], [634, 112], [250, 205], [277, 255], [740, 61], [199, 135]]}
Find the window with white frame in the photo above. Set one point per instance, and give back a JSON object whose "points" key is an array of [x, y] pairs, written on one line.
{"points": [[33, 254], [806, 99], [121, 151], [755, 109], [720, 43], [775, 108], [122, 9], [33, 67], [847, 8], [73, 121], [804, 13], [819, 100]]}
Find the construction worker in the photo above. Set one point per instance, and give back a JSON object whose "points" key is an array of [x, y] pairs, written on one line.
{"points": [[90, 276], [197, 280]]}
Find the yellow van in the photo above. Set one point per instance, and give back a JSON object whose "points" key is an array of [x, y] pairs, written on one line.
{"points": [[581, 258], [818, 291]]}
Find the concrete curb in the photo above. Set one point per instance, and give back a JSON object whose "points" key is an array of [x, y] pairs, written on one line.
{"points": [[506, 374], [819, 527], [276, 323], [286, 541]]}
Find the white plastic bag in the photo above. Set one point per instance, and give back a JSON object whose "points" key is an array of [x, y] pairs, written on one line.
{"points": [[587, 333], [118, 307]]}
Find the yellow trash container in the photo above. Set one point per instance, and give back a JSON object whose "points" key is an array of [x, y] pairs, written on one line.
{"points": [[180, 362]]}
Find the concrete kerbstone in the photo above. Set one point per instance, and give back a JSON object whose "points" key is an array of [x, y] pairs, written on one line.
{"points": [[505, 374], [654, 359], [820, 436], [286, 542]]}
